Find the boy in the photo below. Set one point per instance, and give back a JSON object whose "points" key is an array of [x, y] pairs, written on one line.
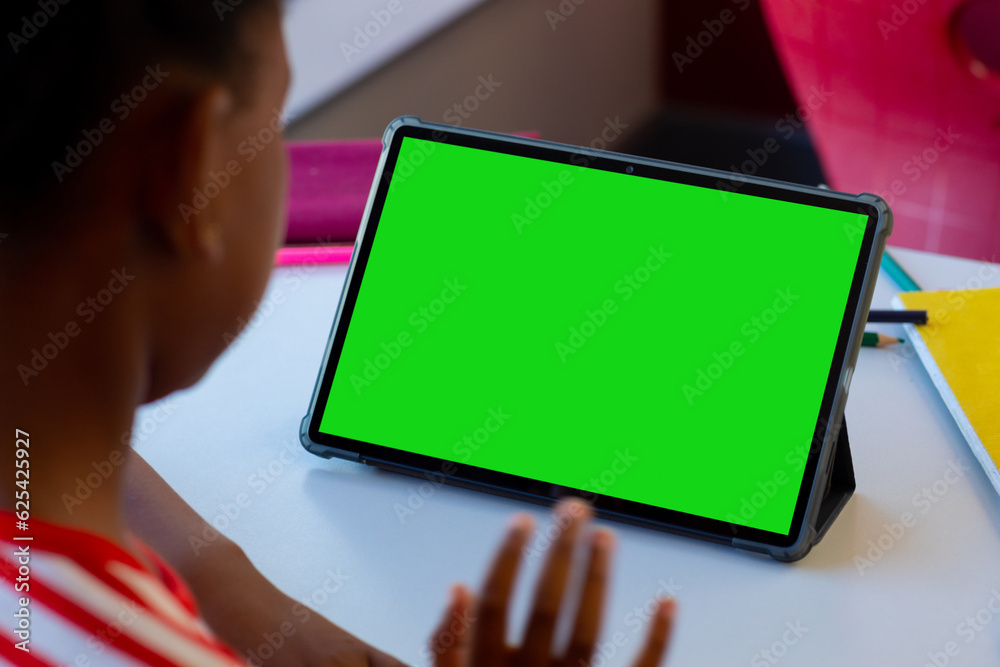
{"points": [[116, 289]]}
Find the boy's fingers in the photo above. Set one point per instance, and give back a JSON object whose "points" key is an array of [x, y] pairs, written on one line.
{"points": [[588, 617], [466, 620], [536, 650], [489, 647], [441, 649], [451, 639], [660, 628]]}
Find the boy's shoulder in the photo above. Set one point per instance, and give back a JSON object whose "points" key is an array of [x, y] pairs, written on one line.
{"points": [[73, 598]]}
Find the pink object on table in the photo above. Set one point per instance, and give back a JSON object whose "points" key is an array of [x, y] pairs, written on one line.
{"points": [[902, 98], [319, 254], [328, 188]]}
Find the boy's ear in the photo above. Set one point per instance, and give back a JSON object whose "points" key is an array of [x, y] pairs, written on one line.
{"points": [[191, 146]]}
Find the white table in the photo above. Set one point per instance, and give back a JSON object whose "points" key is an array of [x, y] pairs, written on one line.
{"points": [[314, 525]]}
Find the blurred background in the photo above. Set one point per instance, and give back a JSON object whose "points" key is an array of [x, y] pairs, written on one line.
{"points": [[896, 97]]}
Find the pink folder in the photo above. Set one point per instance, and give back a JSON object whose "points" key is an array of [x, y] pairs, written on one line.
{"points": [[328, 188]]}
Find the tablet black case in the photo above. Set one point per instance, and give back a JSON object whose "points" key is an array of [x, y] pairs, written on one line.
{"points": [[840, 487], [823, 508]]}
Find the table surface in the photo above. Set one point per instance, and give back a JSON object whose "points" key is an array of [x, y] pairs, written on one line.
{"points": [[328, 532]]}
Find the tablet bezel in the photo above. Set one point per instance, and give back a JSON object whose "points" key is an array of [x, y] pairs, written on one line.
{"points": [[817, 469]]}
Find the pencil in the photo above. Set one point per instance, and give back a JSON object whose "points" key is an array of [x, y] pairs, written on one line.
{"points": [[872, 339], [896, 272], [898, 316]]}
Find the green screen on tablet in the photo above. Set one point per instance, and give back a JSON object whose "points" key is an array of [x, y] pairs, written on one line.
{"points": [[621, 334]]}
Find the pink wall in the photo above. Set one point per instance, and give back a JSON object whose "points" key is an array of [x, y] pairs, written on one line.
{"points": [[896, 106]]}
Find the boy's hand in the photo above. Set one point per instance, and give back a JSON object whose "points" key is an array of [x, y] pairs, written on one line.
{"points": [[472, 633]]}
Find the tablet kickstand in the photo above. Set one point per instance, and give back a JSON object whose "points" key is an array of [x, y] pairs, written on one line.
{"points": [[841, 484]]}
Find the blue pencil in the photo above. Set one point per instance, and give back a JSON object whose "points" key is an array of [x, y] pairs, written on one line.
{"points": [[896, 272]]}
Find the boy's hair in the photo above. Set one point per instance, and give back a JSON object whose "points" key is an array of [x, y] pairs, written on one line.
{"points": [[67, 64]]}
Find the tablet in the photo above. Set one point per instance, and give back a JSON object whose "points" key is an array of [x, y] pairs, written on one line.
{"points": [[674, 344]]}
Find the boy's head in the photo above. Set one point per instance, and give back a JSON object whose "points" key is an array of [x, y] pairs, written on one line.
{"points": [[143, 134]]}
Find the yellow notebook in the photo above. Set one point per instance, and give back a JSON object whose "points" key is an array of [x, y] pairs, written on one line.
{"points": [[960, 348]]}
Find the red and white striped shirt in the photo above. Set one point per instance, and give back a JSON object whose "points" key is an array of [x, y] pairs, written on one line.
{"points": [[73, 598]]}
